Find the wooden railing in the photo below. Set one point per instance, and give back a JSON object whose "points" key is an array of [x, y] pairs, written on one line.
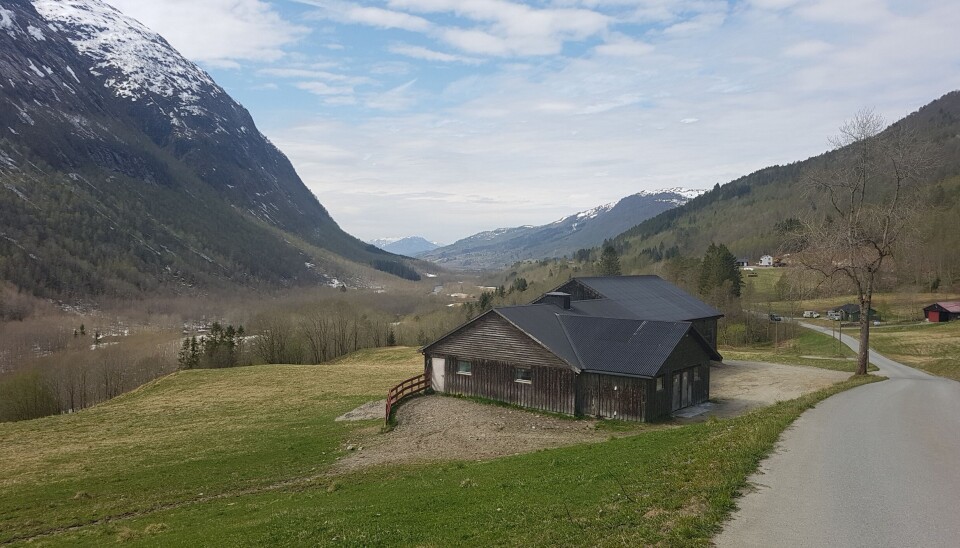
{"points": [[409, 387]]}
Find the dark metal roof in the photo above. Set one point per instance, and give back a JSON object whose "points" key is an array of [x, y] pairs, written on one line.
{"points": [[619, 346], [949, 306], [623, 347], [540, 322], [650, 298], [853, 308]]}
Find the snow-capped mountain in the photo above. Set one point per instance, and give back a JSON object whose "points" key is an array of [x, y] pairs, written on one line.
{"points": [[505, 246], [117, 153], [410, 246]]}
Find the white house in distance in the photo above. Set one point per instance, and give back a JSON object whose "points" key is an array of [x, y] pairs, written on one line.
{"points": [[766, 260]]}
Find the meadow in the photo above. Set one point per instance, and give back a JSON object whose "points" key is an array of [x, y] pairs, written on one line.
{"points": [[242, 456]]}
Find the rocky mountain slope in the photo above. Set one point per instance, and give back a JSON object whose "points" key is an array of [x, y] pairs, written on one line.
{"points": [[124, 167], [411, 246], [505, 246]]}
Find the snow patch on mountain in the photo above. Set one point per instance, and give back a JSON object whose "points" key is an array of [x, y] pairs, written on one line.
{"points": [[36, 33], [7, 20], [135, 61]]}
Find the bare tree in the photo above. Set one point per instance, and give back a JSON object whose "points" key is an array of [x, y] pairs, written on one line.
{"points": [[870, 188]]}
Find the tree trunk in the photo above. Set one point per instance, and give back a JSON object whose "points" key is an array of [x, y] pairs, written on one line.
{"points": [[863, 357]]}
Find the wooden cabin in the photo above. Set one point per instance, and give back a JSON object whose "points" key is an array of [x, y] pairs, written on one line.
{"points": [[942, 311], [580, 354], [851, 313]]}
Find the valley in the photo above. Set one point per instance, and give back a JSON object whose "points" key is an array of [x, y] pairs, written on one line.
{"points": [[206, 338]]}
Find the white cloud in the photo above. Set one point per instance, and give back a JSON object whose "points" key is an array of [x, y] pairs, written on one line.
{"points": [[220, 33], [398, 98], [346, 12], [619, 45], [689, 120], [419, 52], [808, 48], [510, 28], [314, 74], [322, 88]]}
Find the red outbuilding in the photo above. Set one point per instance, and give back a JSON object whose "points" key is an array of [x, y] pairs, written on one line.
{"points": [[942, 311]]}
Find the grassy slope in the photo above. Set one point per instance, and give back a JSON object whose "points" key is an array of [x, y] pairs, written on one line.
{"points": [[931, 347], [672, 486], [185, 436], [237, 457], [799, 351]]}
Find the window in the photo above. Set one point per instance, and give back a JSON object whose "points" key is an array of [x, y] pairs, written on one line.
{"points": [[523, 374], [464, 367], [696, 374], [659, 384]]}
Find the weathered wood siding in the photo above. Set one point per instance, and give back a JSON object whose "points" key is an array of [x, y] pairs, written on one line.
{"points": [[493, 338], [550, 388], [687, 356], [611, 396], [708, 329]]}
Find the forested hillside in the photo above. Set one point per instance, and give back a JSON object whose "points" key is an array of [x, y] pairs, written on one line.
{"points": [[751, 214]]}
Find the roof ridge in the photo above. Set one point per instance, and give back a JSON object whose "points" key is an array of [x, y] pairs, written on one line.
{"points": [[566, 333]]}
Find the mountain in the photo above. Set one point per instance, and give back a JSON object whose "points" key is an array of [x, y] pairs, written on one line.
{"points": [[411, 246], [125, 168], [505, 246], [750, 213]]}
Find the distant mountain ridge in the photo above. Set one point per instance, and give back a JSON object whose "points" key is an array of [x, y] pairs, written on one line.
{"points": [[410, 246], [125, 168], [505, 246], [751, 213]]}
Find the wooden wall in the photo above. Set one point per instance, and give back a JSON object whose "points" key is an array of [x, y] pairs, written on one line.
{"points": [[688, 354], [550, 389], [491, 337], [708, 329], [611, 396]]}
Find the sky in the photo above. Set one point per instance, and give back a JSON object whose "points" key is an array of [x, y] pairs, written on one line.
{"points": [[443, 118]]}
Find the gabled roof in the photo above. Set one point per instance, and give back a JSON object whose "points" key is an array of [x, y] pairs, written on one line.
{"points": [[649, 298], [949, 306], [619, 346], [852, 308]]}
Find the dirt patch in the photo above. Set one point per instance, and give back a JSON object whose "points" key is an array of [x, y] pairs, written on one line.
{"points": [[367, 411], [739, 386], [437, 428], [440, 428]]}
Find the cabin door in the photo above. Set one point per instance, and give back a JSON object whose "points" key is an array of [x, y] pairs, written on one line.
{"points": [[682, 390], [438, 367]]}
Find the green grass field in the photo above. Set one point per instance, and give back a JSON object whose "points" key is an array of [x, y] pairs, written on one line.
{"points": [[808, 348], [241, 457], [932, 347]]}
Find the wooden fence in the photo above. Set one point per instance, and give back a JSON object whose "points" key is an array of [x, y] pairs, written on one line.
{"points": [[409, 387]]}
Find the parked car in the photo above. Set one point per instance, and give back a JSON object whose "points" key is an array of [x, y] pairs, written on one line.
{"points": [[836, 316], [810, 314], [775, 318]]}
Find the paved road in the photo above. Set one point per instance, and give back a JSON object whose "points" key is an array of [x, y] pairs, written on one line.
{"points": [[875, 466]]}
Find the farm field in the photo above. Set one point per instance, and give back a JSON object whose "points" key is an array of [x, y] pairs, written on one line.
{"points": [[199, 457], [934, 348], [901, 306], [807, 348]]}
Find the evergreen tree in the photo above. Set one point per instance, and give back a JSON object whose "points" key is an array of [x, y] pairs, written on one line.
{"points": [[391, 338], [609, 261], [719, 266]]}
